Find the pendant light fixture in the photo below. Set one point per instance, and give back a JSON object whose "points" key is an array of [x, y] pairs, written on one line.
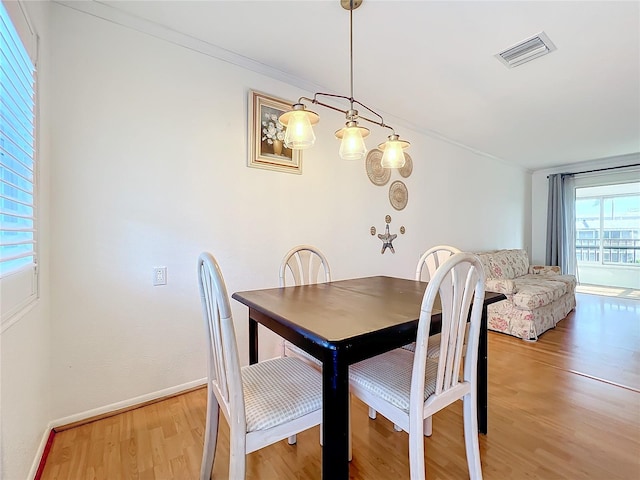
{"points": [[300, 121]]}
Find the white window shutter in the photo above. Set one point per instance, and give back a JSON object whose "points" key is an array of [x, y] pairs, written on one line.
{"points": [[18, 233]]}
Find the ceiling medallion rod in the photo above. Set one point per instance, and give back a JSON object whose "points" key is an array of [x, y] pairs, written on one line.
{"points": [[299, 121]]}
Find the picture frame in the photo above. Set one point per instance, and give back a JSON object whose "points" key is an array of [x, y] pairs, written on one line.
{"points": [[266, 135]]}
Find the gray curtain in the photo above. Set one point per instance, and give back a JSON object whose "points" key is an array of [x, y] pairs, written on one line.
{"points": [[561, 243]]}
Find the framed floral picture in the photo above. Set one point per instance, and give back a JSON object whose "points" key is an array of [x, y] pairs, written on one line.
{"points": [[266, 135]]}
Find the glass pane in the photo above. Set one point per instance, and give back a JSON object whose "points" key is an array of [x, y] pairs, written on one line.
{"points": [[588, 229], [621, 221]]}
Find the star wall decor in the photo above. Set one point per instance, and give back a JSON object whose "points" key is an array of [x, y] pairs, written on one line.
{"points": [[386, 237], [387, 240]]}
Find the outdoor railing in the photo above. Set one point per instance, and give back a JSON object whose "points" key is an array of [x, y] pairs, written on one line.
{"points": [[620, 251]]}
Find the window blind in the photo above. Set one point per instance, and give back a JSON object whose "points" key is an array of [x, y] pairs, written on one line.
{"points": [[18, 236]]}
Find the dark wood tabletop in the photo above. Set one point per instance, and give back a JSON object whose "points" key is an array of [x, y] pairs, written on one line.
{"points": [[339, 311]]}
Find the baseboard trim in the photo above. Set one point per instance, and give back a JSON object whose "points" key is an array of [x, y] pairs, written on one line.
{"points": [[45, 454], [88, 416], [42, 453]]}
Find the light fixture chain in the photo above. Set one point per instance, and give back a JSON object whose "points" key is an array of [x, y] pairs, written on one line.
{"points": [[351, 50]]}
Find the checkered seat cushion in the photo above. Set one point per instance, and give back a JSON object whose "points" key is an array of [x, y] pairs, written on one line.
{"points": [[278, 391], [389, 377], [433, 348], [292, 350]]}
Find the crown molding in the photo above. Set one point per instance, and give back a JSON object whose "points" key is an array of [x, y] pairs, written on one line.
{"points": [[114, 15]]}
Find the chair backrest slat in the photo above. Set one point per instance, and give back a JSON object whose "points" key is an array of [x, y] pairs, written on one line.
{"points": [[306, 264], [223, 361], [431, 260], [458, 282], [455, 298]]}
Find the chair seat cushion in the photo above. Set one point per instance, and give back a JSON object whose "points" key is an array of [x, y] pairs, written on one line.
{"points": [[291, 350], [280, 390], [433, 348], [389, 377]]}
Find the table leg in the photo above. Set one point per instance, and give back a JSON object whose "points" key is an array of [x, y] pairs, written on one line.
{"points": [[253, 341], [483, 379], [335, 417]]}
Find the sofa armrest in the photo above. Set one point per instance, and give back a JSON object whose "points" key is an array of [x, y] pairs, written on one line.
{"points": [[544, 270], [500, 285]]}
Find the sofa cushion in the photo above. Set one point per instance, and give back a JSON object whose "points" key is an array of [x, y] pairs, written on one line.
{"points": [[505, 286], [533, 291], [568, 280], [505, 263], [544, 269]]}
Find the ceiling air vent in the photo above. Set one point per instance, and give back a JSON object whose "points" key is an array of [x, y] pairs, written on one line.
{"points": [[527, 50]]}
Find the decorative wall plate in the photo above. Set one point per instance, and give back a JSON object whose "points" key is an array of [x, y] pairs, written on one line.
{"points": [[407, 168], [398, 195], [373, 164]]}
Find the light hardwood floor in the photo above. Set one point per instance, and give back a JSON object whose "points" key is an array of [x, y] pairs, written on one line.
{"points": [[566, 407]]}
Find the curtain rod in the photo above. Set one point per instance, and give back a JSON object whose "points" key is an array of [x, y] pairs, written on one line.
{"points": [[600, 169]]}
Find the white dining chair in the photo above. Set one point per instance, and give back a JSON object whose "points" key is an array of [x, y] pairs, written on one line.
{"points": [[409, 387], [303, 265], [428, 263], [427, 266], [263, 403]]}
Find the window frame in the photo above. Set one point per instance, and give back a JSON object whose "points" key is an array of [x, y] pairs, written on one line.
{"points": [[20, 289], [603, 234]]}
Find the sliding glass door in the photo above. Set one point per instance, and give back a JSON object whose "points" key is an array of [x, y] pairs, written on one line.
{"points": [[608, 235]]}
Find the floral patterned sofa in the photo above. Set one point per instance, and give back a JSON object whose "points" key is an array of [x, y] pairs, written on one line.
{"points": [[538, 297]]}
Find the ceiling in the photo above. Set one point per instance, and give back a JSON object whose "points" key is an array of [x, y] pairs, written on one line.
{"points": [[430, 65]]}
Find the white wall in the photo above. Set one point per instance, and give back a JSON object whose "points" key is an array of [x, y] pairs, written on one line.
{"points": [[25, 346], [540, 191], [149, 168]]}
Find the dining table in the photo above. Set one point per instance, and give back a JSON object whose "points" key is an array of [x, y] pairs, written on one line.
{"points": [[341, 323]]}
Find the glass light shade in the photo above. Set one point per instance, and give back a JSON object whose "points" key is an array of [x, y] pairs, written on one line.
{"points": [[352, 146], [393, 156], [299, 134]]}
